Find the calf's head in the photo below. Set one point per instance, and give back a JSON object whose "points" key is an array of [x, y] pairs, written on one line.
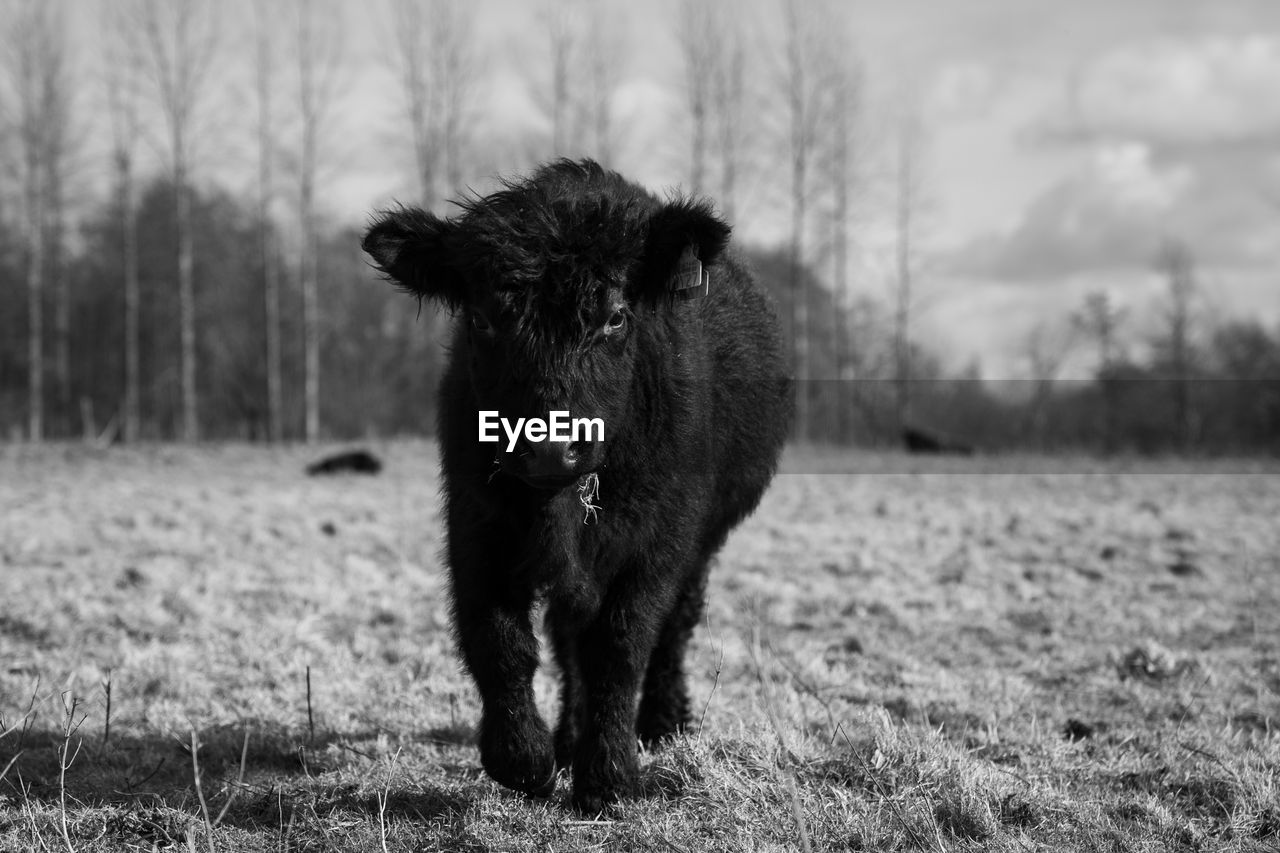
{"points": [[555, 277]]}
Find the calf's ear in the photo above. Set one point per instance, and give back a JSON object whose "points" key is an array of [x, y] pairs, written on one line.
{"points": [[676, 227], [411, 247]]}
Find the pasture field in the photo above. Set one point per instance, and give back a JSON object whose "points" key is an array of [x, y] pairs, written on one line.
{"points": [[899, 654]]}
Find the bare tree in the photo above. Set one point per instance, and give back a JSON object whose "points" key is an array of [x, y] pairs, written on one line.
{"points": [[412, 67], [695, 33], [434, 62], [179, 43], [35, 56], [562, 40], [319, 55], [264, 78], [604, 52], [802, 90], [29, 23], [1176, 262], [121, 77], [457, 74], [1045, 347], [712, 48], [869, 359], [728, 107], [56, 108], [1101, 320], [587, 52], [559, 94], [839, 172], [907, 201]]}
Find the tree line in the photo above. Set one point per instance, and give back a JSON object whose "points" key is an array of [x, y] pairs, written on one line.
{"points": [[145, 296]]}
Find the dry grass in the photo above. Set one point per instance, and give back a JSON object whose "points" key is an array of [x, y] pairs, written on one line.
{"points": [[937, 655]]}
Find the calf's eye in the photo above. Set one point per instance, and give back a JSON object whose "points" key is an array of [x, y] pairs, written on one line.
{"points": [[479, 322], [616, 322]]}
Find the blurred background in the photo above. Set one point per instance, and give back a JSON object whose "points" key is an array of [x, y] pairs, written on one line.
{"points": [[997, 224]]}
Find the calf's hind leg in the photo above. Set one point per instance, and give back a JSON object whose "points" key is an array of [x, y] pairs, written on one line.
{"points": [[664, 707]]}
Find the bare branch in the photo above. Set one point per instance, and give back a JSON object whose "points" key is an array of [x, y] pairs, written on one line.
{"points": [[605, 52], [264, 74], [695, 35], [563, 42], [434, 62], [37, 96], [179, 42], [806, 30]]}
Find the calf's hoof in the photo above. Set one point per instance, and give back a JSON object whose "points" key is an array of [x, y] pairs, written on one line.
{"points": [[566, 745], [664, 712], [593, 801], [518, 754], [598, 785], [657, 730]]}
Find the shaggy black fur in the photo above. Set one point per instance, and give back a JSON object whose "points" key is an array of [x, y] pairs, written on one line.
{"points": [[560, 283]]}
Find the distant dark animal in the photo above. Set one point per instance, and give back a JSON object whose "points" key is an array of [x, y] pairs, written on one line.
{"points": [[349, 462], [572, 290], [919, 441]]}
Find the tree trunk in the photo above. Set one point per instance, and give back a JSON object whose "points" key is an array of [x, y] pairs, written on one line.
{"points": [[270, 267], [452, 132], [1179, 266], [309, 106], [35, 313], [692, 32], [799, 305], [730, 98], [840, 269], [424, 148], [604, 127], [1110, 400], [903, 247], [799, 118], [310, 300], [56, 274], [562, 44], [413, 66], [186, 293], [728, 197], [180, 42], [121, 73], [698, 147], [271, 298], [129, 251]]}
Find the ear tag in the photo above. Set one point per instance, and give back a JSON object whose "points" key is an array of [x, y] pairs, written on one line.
{"points": [[691, 279]]}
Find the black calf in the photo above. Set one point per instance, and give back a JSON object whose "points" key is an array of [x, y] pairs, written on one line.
{"points": [[577, 291]]}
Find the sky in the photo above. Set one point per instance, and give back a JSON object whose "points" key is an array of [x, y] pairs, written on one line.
{"points": [[1068, 145], [1062, 143]]}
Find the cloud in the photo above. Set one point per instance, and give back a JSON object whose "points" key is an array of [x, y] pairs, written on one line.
{"points": [[1179, 141], [1113, 215], [1174, 93], [965, 89]]}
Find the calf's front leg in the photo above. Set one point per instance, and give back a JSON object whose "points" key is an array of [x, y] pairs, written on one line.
{"points": [[613, 654], [501, 652]]}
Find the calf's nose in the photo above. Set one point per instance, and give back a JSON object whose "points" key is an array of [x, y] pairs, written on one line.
{"points": [[549, 459]]}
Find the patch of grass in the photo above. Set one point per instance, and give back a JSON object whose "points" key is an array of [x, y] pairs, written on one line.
{"points": [[908, 655]]}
